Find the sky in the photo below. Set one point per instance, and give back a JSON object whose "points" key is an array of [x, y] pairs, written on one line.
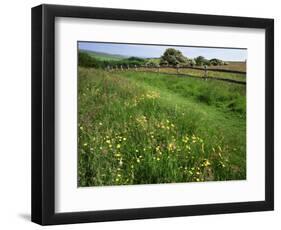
{"points": [[148, 51]]}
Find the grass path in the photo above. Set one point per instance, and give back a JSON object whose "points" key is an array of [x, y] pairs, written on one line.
{"points": [[212, 119], [216, 118]]}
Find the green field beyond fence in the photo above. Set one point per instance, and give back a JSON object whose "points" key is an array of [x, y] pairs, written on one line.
{"points": [[211, 74]]}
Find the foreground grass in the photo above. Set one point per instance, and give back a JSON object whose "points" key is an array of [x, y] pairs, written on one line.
{"points": [[143, 128]]}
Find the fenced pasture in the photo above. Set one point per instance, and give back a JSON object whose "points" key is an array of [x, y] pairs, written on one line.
{"points": [[233, 76], [141, 125], [233, 66]]}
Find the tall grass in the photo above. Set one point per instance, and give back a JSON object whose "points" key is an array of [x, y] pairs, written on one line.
{"points": [[143, 128]]}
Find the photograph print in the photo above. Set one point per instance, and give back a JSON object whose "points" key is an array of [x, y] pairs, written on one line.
{"points": [[154, 114]]}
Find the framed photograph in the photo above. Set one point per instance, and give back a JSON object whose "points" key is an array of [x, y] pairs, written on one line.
{"points": [[142, 114]]}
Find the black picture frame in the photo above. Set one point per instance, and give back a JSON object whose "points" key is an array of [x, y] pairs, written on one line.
{"points": [[43, 114]]}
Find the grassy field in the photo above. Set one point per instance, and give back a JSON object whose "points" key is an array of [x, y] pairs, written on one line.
{"points": [[232, 65], [147, 128], [199, 73]]}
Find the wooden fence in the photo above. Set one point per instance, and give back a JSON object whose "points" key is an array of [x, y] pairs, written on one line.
{"points": [[177, 72]]}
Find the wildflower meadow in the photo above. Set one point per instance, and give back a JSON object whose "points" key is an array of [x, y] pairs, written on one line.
{"points": [[148, 128]]}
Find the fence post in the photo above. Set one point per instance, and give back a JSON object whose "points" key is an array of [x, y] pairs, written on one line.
{"points": [[205, 72]]}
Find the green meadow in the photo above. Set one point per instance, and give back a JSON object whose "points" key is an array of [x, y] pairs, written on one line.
{"points": [[139, 127]]}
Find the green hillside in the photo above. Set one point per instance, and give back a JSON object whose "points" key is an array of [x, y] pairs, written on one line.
{"points": [[104, 56]]}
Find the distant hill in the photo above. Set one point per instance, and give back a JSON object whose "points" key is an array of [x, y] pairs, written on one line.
{"points": [[104, 56]]}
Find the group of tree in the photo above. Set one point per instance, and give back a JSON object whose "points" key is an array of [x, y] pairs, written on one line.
{"points": [[171, 57], [174, 57]]}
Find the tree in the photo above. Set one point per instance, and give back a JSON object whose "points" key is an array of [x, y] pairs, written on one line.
{"points": [[172, 57], [216, 61], [200, 60], [191, 62]]}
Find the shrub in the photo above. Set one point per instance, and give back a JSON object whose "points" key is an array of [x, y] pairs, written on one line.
{"points": [[200, 61], [164, 62], [216, 62], [191, 62], [152, 63]]}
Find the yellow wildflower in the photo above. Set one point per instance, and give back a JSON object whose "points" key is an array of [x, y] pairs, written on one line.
{"points": [[207, 163], [185, 139], [171, 146]]}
